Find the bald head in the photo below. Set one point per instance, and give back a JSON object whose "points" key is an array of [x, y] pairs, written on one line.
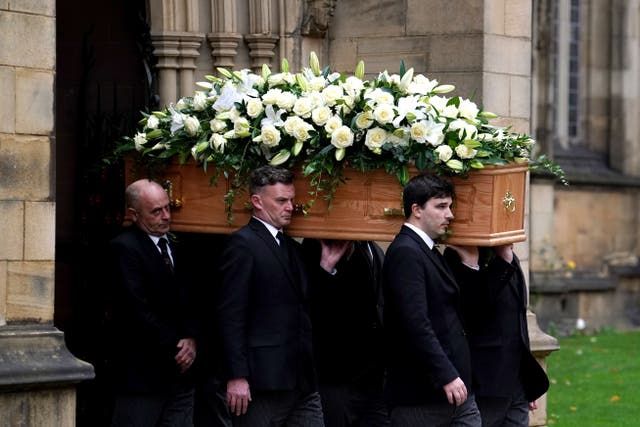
{"points": [[148, 205]]}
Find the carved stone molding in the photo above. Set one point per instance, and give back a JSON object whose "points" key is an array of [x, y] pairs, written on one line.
{"points": [[317, 17], [224, 48], [261, 49]]}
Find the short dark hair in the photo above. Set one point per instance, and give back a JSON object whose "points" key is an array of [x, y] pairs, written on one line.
{"points": [[423, 187], [268, 175]]}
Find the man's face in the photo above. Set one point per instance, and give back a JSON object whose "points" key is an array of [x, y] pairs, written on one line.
{"points": [[152, 214], [434, 217], [274, 204]]}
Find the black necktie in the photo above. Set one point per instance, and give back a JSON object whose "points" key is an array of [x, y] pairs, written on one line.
{"points": [[283, 245], [162, 244]]}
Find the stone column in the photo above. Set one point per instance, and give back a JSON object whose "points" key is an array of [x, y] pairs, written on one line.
{"points": [[166, 50], [37, 372], [224, 37], [261, 40]]}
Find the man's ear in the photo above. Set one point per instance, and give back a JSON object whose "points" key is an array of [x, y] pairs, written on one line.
{"points": [[416, 211], [256, 201], [133, 214]]}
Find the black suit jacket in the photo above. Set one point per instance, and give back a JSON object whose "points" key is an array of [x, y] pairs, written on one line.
{"points": [[427, 347], [151, 313], [263, 312], [346, 312], [495, 308]]}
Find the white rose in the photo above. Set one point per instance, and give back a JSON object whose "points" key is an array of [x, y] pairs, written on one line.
{"points": [[191, 125], [271, 96], [217, 125], [301, 130], [383, 97], [303, 107], [384, 114], [152, 122], [286, 100], [376, 137], [217, 142], [364, 120], [438, 102], [241, 127], [139, 140], [181, 105], [332, 124], [465, 152], [418, 131], [342, 137], [450, 111], [421, 85], [270, 136], [444, 152], [468, 109], [353, 86], [254, 108], [316, 83], [331, 94], [463, 128], [290, 124], [320, 115], [199, 101]]}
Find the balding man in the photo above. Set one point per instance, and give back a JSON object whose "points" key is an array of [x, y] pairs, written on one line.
{"points": [[154, 329]]}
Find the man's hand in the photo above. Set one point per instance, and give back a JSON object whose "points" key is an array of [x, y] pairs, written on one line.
{"points": [[505, 252], [456, 391], [533, 405], [238, 396], [332, 251], [186, 353], [469, 255]]}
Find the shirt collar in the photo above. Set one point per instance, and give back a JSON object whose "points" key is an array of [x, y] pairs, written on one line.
{"points": [[270, 227], [424, 236]]}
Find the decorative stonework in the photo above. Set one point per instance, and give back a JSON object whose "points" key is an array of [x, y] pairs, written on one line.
{"points": [[317, 17], [224, 48], [261, 49]]}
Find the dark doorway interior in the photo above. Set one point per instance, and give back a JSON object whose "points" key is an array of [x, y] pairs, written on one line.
{"points": [[102, 84]]}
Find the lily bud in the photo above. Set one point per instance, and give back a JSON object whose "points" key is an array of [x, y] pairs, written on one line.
{"points": [[340, 152], [266, 71], [443, 89], [454, 164], [205, 85], [360, 70], [154, 134], [314, 63], [302, 82], [297, 147], [225, 72], [284, 65], [488, 115], [280, 158], [406, 79]]}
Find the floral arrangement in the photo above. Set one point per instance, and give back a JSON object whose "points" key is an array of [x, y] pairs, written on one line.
{"points": [[322, 122]]}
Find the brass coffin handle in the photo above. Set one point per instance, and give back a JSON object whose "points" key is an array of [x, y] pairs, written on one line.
{"points": [[168, 187], [393, 212], [509, 202]]}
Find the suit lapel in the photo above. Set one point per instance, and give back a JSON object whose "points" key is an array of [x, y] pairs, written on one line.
{"points": [[270, 242], [438, 263]]}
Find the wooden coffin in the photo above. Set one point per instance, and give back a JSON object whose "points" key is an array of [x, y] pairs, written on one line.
{"points": [[489, 208]]}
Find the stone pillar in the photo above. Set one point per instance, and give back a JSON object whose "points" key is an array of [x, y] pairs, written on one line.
{"points": [[261, 40], [37, 372], [175, 37], [224, 37], [541, 345]]}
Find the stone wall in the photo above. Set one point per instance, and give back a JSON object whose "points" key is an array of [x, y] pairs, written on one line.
{"points": [[32, 351]]}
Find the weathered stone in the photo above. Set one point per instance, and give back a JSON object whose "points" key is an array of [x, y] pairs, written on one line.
{"points": [[8, 96], [375, 19], [517, 18], [507, 55], [30, 291], [34, 102], [39, 231], [36, 7], [444, 17], [494, 18], [496, 93], [3, 293], [27, 40], [11, 229], [25, 168], [519, 97], [466, 49]]}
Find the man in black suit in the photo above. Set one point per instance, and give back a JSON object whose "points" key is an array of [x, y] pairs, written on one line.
{"points": [[263, 314], [154, 330], [429, 367], [346, 313], [507, 378]]}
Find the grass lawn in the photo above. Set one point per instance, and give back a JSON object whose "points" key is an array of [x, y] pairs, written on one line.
{"points": [[595, 381]]}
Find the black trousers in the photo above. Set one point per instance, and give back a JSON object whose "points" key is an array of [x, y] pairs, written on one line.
{"points": [[347, 405]]}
